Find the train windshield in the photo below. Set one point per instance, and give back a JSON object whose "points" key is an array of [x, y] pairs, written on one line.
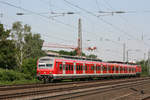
{"points": [[45, 66], [45, 63]]}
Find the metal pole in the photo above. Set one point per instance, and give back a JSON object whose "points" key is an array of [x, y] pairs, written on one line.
{"points": [[79, 39], [148, 65], [127, 55], [144, 58], [124, 53]]}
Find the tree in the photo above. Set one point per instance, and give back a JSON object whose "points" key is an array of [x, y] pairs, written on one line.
{"points": [[27, 44], [92, 56], [71, 53], [7, 49], [18, 32], [144, 67], [33, 45]]}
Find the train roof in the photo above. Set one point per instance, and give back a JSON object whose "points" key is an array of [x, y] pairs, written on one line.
{"points": [[74, 57], [119, 62]]}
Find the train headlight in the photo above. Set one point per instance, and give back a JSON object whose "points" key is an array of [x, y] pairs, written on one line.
{"points": [[50, 72]]}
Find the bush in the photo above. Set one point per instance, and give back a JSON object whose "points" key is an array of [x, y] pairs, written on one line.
{"points": [[11, 75], [29, 66]]}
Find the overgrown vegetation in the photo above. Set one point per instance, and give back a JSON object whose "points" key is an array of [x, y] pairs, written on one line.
{"points": [[19, 51], [144, 65]]}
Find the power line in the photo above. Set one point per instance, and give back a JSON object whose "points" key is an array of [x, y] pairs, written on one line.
{"points": [[104, 21], [146, 11], [29, 11]]}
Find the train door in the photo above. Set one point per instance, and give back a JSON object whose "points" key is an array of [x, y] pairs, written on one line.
{"points": [[92, 68], [69, 68], [117, 69], [125, 69], [113, 68], [121, 69], [87, 68], [104, 68], [79, 68], [59, 68], [109, 69], [98, 68]]}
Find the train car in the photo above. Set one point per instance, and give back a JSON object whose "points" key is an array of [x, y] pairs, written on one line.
{"points": [[56, 68]]}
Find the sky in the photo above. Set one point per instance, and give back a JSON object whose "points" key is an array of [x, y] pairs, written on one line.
{"points": [[105, 31]]}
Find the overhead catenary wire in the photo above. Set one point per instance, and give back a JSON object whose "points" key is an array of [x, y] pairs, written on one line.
{"points": [[125, 20], [29, 11], [104, 21]]}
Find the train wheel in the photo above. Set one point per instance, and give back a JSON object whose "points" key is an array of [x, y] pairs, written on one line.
{"points": [[45, 80], [51, 80]]}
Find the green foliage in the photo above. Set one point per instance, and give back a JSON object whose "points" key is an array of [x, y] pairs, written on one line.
{"points": [[71, 53], [11, 75], [144, 67], [29, 66], [33, 45], [28, 45], [92, 56], [20, 51], [7, 50]]}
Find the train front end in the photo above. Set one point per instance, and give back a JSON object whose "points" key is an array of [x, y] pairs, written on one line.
{"points": [[45, 69]]}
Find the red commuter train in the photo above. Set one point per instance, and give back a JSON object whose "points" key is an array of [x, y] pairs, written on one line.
{"points": [[54, 68]]}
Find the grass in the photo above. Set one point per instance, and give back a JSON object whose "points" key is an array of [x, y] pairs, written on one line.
{"points": [[18, 82], [12, 77]]}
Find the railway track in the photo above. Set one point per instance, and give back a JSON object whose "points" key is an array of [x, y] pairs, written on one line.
{"points": [[94, 90], [72, 88], [37, 85], [25, 86]]}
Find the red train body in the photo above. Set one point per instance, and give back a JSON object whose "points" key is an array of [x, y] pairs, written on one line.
{"points": [[51, 68]]}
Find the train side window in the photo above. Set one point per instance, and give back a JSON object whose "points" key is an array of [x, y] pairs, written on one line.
{"points": [[133, 69], [109, 68], [104, 68], [81, 67], [60, 66], [66, 66], [71, 67], [86, 67], [101, 67], [77, 67], [113, 68], [98, 68], [122, 68], [92, 67], [116, 68]]}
